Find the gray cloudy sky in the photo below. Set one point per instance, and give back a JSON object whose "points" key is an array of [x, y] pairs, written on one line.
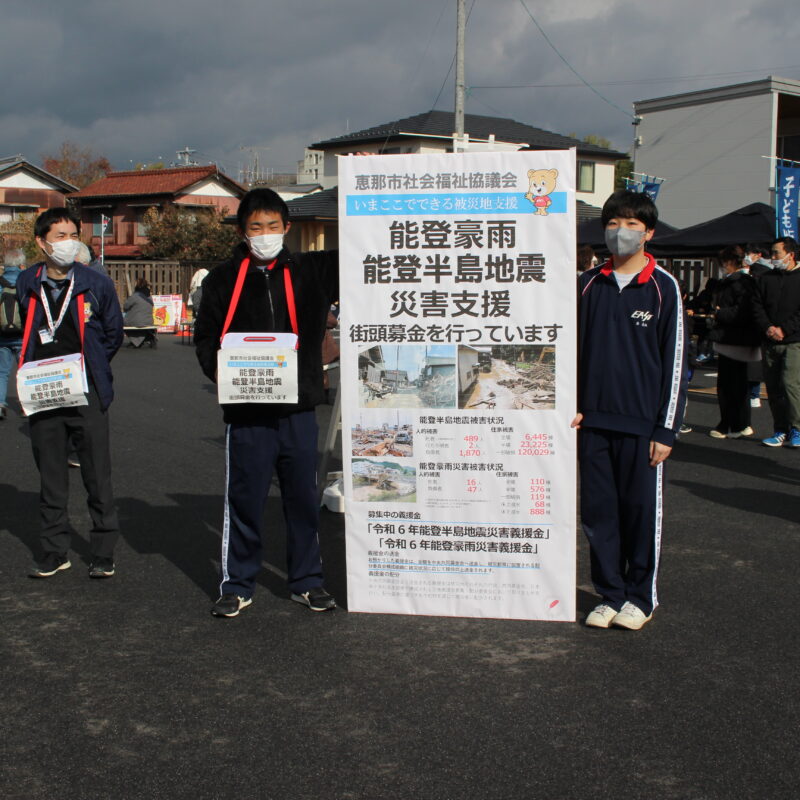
{"points": [[140, 79]]}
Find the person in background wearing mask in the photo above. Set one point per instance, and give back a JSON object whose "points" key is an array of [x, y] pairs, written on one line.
{"points": [[264, 288], [736, 342], [776, 311], [10, 330], [68, 308], [632, 382], [755, 259]]}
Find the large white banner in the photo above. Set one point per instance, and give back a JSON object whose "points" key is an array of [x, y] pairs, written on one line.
{"points": [[458, 383]]}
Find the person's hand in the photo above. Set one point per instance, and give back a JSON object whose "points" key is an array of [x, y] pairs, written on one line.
{"points": [[576, 421], [658, 453], [774, 333]]}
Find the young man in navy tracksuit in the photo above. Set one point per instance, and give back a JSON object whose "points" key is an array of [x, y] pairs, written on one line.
{"points": [[280, 292], [632, 393]]}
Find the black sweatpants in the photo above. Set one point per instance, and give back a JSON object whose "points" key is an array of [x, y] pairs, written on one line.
{"points": [[87, 428], [733, 394], [621, 513], [289, 445]]}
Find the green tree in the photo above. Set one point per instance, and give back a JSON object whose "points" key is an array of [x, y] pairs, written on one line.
{"points": [[75, 165], [188, 234]]}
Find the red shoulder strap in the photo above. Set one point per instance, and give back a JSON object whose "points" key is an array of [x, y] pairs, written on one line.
{"points": [[237, 293]]}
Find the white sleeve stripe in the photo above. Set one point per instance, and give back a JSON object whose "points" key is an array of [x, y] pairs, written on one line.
{"points": [[677, 361]]}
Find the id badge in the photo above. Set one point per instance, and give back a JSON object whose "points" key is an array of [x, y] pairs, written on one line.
{"points": [[45, 336]]}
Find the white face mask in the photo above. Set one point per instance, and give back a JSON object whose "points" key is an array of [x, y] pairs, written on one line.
{"points": [[64, 251], [267, 246], [779, 263]]}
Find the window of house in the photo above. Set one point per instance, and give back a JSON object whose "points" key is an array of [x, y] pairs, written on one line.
{"points": [[97, 225], [141, 225], [586, 176], [789, 147]]}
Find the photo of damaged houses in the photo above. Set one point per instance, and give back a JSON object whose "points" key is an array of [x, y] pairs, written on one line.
{"points": [[386, 437], [383, 482], [407, 376], [507, 377]]}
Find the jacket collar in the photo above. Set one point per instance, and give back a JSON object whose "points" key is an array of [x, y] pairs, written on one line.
{"points": [[82, 276], [644, 276]]}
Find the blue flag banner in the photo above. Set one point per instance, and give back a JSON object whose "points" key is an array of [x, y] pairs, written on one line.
{"points": [[786, 200], [651, 190]]}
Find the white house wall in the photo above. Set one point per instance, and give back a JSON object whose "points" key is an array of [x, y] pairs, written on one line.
{"points": [[24, 180], [710, 156], [212, 188]]}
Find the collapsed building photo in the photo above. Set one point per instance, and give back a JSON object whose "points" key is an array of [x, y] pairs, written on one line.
{"points": [[384, 437], [407, 376], [383, 482], [507, 377]]}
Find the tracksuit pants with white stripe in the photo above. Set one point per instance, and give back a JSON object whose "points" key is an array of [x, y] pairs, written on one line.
{"points": [[289, 445], [621, 515]]}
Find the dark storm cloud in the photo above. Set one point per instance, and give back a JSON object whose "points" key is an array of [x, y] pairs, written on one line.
{"points": [[137, 81]]}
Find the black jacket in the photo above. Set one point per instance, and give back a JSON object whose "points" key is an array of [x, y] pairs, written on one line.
{"points": [[777, 302], [733, 321], [315, 279]]}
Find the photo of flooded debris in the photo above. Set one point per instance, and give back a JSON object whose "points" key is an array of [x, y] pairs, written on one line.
{"points": [[407, 376], [383, 436], [383, 482], [507, 377]]}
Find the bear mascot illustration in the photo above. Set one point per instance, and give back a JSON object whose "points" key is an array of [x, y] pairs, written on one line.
{"points": [[542, 182]]}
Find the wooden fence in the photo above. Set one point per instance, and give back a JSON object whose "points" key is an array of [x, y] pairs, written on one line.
{"points": [[164, 277]]}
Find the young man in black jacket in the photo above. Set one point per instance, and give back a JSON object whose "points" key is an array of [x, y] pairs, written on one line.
{"points": [[281, 292]]}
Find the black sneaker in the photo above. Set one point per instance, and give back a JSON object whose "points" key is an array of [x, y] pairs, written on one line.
{"points": [[317, 599], [229, 605], [49, 565], [101, 568]]}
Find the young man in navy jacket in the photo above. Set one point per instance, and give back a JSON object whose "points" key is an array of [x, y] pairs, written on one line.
{"points": [[631, 398], [90, 324], [281, 291]]}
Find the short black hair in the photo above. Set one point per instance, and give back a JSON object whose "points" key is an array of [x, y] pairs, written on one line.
{"points": [[261, 200], [731, 254], [755, 247], [48, 218], [636, 205], [789, 245]]}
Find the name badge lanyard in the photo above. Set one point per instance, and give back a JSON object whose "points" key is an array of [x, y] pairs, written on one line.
{"points": [[51, 327], [237, 293]]}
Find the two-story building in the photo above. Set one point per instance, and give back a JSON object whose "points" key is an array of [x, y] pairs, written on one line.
{"points": [[125, 197], [432, 132], [28, 189], [716, 148]]}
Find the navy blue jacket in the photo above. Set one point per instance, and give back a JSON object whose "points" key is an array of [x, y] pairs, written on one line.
{"points": [[102, 315], [632, 362]]}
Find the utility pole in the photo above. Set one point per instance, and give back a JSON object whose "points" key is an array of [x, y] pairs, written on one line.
{"points": [[461, 24]]}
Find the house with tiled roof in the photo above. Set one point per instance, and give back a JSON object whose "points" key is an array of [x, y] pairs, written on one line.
{"points": [[28, 189], [125, 197], [432, 132]]}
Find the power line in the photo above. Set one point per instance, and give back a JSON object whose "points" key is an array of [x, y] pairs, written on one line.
{"points": [[428, 45], [572, 69]]}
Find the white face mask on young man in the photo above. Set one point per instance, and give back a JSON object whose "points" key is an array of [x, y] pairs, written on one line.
{"points": [[267, 246], [64, 252]]}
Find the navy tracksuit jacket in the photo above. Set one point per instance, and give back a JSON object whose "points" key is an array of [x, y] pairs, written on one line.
{"points": [[632, 390]]}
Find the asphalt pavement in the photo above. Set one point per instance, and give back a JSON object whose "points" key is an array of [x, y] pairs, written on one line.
{"points": [[128, 688]]}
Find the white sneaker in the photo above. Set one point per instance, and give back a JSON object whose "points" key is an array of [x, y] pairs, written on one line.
{"points": [[715, 434], [755, 402], [601, 617], [631, 617], [748, 431]]}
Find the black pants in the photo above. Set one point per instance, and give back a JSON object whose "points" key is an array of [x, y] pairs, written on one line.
{"points": [[87, 428], [621, 513], [733, 394]]}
